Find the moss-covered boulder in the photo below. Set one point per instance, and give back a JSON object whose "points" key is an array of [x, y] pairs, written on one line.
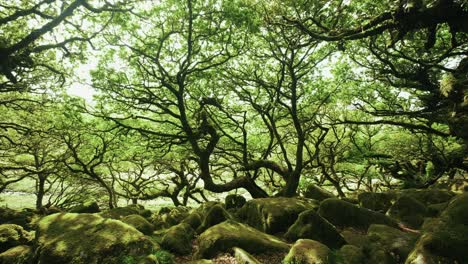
{"points": [[434, 210], [226, 235], [396, 243], [349, 254], [273, 215], [17, 255], [408, 211], [167, 219], [234, 201], [88, 239], [140, 223], [86, 207], [178, 239], [355, 237], [312, 226], [244, 257], [12, 235], [344, 214], [119, 212], [444, 239], [379, 202], [194, 219], [26, 218], [312, 191], [306, 251], [428, 196], [215, 215]]}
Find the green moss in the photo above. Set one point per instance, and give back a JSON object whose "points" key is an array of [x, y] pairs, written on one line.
{"points": [[86, 207], [12, 235], [17, 255], [429, 196], [244, 257], [396, 243], [215, 215], [234, 201], [178, 239], [409, 211], [306, 251], [164, 257], [140, 223], [312, 191], [274, 215], [379, 202], [228, 234], [194, 220], [312, 226], [87, 238], [119, 212], [350, 254], [344, 214]]}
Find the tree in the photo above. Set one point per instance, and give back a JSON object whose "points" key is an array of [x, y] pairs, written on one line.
{"points": [[35, 32], [31, 150], [163, 89]]}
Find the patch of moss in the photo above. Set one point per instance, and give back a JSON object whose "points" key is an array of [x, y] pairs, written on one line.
{"points": [[164, 257], [87, 238], [379, 202], [234, 201], [306, 251], [274, 215], [194, 220], [12, 235], [215, 215], [178, 239], [310, 225], [140, 223], [228, 234], [409, 211], [396, 243], [350, 254], [344, 214], [17, 255], [312, 191]]}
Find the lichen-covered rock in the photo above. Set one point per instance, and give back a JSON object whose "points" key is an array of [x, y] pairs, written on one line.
{"points": [[140, 223], [17, 255], [306, 251], [344, 214], [229, 234], [273, 215], [350, 254], [397, 244], [88, 239], [234, 201], [215, 215], [312, 226], [12, 235], [379, 202], [444, 239], [409, 211], [178, 239], [314, 192], [86, 207]]}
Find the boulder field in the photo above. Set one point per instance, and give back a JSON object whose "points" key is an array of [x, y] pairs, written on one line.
{"points": [[411, 226]]}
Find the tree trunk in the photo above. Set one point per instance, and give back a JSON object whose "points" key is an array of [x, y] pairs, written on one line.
{"points": [[40, 188]]}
